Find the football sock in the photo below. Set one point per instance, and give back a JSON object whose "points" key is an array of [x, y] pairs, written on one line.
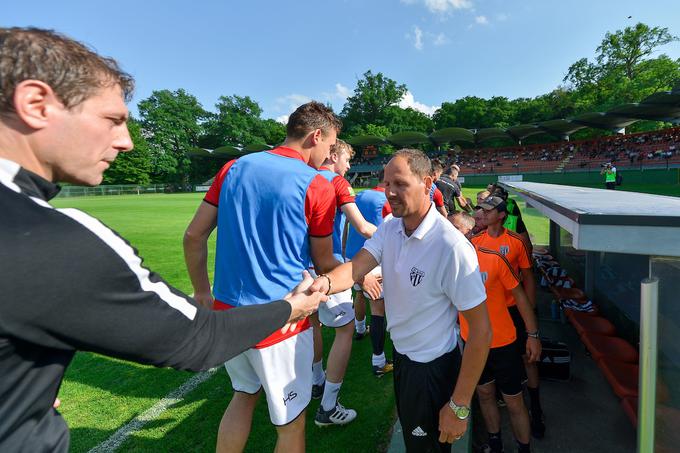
{"points": [[318, 374], [330, 395], [379, 360], [360, 326], [378, 334], [496, 442]]}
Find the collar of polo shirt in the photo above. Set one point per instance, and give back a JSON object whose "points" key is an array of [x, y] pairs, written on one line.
{"points": [[425, 226]]}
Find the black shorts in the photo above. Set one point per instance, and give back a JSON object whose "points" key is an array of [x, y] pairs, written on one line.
{"points": [[506, 368], [520, 329], [421, 390]]}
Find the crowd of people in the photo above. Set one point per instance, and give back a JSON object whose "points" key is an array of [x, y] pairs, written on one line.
{"points": [[632, 150], [449, 280]]}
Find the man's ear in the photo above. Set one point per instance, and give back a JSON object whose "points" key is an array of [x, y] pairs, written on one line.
{"points": [[35, 102], [428, 182], [315, 137]]}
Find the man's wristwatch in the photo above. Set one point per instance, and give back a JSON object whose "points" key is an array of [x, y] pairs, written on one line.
{"points": [[462, 412], [533, 334]]}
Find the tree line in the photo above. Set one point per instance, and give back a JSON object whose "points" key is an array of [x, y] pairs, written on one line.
{"points": [[171, 123]]}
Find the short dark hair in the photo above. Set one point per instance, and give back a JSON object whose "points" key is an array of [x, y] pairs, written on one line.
{"points": [[71, 69], [310, 116], [419, 164], [436, 167]]}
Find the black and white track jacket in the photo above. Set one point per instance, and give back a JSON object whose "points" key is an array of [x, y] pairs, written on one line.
{"points": [[67, 283]]}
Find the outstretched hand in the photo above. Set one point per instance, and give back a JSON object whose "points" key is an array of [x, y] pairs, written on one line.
{"points": [[304, 300]]}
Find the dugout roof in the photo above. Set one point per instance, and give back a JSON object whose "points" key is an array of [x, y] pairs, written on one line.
{"points": [[608, 220]]}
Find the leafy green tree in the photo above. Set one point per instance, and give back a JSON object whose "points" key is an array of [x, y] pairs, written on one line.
{"points": [[133, 167], [628, 48], [372, 96], [172, 122], [397, 119]]}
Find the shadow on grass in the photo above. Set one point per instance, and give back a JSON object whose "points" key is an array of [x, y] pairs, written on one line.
{"points": [[192, 425], [123, 378]]}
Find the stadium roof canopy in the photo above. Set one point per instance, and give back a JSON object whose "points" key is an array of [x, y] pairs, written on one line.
{"points": [[661, 106]]}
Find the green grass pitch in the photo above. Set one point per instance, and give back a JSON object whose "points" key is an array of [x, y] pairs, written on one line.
{"points": [[100, 395]]}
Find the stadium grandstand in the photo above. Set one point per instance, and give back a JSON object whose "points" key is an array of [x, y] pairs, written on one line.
{"points": [[466, 147]]}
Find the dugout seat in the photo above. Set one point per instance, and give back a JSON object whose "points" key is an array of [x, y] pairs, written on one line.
{"points": [[630, 407], [622, 376], [568, 293], [592, 323], [614, 348]]}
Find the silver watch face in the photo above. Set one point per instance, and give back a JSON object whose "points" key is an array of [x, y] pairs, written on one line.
{"points": [[463, 412]]}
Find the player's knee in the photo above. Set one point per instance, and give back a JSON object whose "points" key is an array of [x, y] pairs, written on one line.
{"points": [[486, 391]]}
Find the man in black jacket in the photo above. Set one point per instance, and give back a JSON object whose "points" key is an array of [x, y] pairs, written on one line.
{"points": [[450, 187], [68, 281]]}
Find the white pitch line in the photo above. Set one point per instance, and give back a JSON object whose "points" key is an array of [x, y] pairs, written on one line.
{"points": [[174, 397]]}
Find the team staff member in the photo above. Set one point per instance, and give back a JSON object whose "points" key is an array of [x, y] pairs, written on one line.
{"points": [[338, 312], [451, 189], [513, 247], [463, 222], [430, 272], [513, 216], [374, 207], [69, 282], [265, 237], [504, 368]]}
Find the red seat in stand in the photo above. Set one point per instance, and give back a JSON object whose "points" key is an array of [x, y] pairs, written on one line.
{"points": [[622, 376], [614, 348], [583, 322]]}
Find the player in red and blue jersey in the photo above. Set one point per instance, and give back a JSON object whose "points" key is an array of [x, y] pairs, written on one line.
{"points": [[338, 312], [274, 213], [373, 205], [436, 194]]}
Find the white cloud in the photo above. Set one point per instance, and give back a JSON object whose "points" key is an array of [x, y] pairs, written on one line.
{"points": [[481, 20], [418, 38], [291, 101], [502, 17], [283, 119], [440, 40], [409, 101], [341, 93], [442, 6]]}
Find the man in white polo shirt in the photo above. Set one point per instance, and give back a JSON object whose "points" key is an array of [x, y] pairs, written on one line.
{"points": [[430, 273]]}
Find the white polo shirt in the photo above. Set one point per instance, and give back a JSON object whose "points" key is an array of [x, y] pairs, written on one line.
{"points": [[427, 278]]}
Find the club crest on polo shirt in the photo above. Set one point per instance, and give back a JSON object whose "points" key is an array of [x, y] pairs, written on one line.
{"points": [[485, 276], [504, 249], [416, 276]]}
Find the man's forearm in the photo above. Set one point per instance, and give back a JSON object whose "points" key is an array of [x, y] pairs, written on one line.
{"points": [[341, 278], [529, 285], [474, 359], [196, 259], [526, 311]]}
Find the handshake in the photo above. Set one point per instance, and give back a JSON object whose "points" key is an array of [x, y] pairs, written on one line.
{"points": [[304, 300]]}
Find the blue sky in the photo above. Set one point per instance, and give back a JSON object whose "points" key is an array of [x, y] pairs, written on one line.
{"points": [[283, 53]]}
